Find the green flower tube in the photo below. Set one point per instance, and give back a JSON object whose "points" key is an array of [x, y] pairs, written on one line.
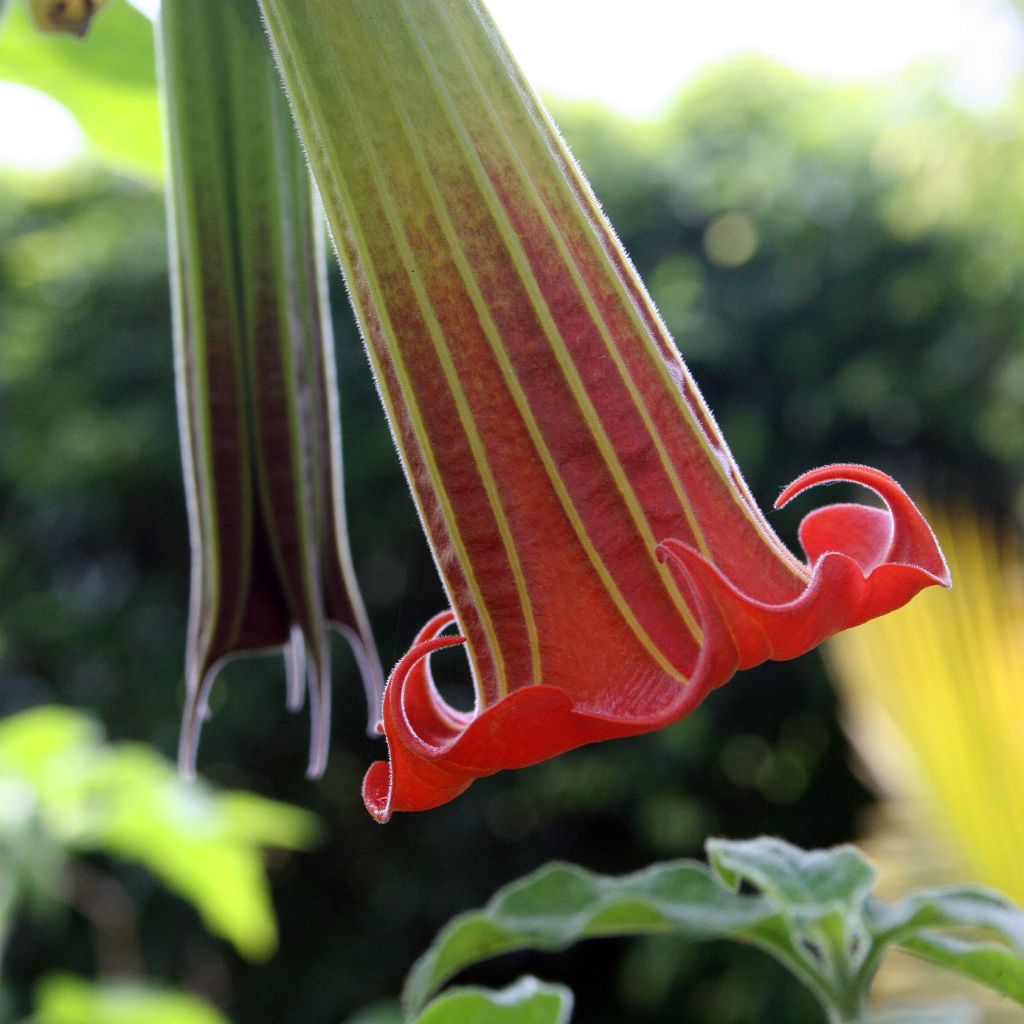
{"points": [[257, 400]]}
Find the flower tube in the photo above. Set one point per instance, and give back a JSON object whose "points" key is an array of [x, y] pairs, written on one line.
{"points": [[604, 559], [254, 362]]}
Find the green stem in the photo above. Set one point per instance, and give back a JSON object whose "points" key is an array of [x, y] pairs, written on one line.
{"points": [[839, 987], [848, 997]]}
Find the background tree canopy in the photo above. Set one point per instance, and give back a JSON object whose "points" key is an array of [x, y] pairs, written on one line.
{"points": [[841, 268]]}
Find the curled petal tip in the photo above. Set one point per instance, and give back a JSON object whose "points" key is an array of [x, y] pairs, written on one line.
{"points": [[873, 537], [863, 562], [377, 791], [840, 472], [421, 725]]}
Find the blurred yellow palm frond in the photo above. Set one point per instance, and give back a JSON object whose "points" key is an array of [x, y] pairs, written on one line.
{"points": [[934, 697]]}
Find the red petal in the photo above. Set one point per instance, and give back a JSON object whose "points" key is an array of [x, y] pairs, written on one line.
{"points": [[436, 751], [864, 562]]}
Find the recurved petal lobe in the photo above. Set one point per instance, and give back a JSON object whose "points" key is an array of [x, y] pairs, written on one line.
{"points": [[863, 562]]}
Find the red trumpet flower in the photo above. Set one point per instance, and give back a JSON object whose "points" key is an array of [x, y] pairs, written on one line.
{"points": [[605, 562]]}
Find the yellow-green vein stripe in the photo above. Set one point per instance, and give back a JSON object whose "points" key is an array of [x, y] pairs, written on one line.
{"points": [[317, 151], [522, 402], [568, 368], [465, 414], [402, 373], [585, 291], [750, 508]]}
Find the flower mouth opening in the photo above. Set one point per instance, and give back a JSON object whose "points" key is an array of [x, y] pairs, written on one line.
{"points": [[861, 562]]}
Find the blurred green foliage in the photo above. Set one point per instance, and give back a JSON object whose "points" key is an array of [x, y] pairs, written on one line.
{"points": [[842, 270], [63, 999], [109, 85], [65, 794]]}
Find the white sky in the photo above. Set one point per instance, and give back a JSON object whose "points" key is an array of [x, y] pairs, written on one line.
{"points": [[633, 55], [36, 132]]}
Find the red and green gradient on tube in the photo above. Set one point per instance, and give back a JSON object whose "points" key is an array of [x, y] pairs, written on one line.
{"points": [[606, 564]]}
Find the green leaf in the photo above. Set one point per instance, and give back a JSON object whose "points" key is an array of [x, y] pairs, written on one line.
{"points": [[561, 904], [814, 912], [49, 756], [30, 740], [65, 999], [996, 959], [996, 966], [528, 1001], [821, 895], [963, 906], [792, 877], [108, 81]]}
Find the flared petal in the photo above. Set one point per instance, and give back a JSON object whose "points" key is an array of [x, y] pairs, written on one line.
{"points": [[436, 751], [863, 562]]}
